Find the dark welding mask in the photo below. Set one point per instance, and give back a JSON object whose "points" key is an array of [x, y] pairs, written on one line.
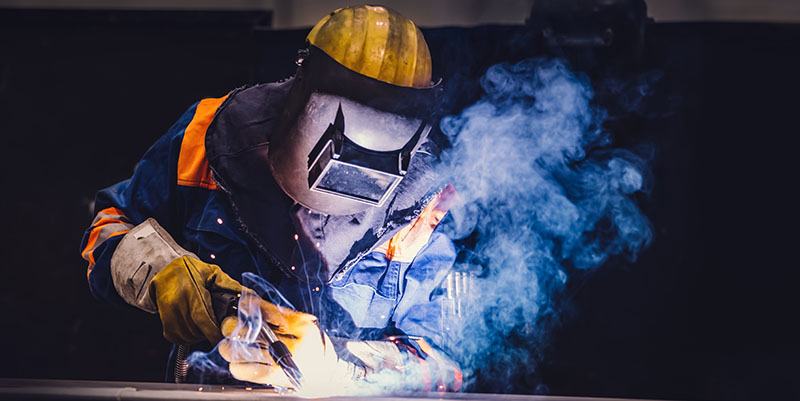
{"points": [[346, 140]]}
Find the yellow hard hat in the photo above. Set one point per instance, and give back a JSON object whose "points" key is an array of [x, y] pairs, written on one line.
{"points": [[377, 42]]}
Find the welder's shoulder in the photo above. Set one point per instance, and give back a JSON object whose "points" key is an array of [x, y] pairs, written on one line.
{"points": [[190, 132], [263, 100], [247, 118], [224, 125]]}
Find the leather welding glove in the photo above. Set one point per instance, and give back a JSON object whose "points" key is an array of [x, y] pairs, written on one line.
{"points": [[247, 350], [182, 291], [153, 273]]}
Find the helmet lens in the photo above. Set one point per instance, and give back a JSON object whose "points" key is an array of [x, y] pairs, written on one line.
{"points": [[340, 165], [356, 182]]}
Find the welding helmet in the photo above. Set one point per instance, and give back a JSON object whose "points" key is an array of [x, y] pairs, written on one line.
{"points": [[359, 107]]}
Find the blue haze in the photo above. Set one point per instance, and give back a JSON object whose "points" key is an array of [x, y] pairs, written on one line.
{"points": [[543, 193]]}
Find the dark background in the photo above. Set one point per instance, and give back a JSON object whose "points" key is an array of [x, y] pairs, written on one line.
{"points": [[707, 312]]}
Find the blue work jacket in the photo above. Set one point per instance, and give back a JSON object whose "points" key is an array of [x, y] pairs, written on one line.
{"points": [[393, 285]]}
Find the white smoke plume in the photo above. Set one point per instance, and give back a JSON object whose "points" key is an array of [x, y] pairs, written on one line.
{"points": [[543, 194]]}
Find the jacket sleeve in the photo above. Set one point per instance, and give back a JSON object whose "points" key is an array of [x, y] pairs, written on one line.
{"points": [[428, 257], [423, 316], [150, 192]]}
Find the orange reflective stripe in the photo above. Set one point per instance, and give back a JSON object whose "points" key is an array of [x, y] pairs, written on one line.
{"points": [[101, 233], [108, 223], [108, 216], [87, 252], [106, 220], [404, 246], [459, 379], [112, 211], [193, 168], [423, 345], [424, 369], [91, 251]]}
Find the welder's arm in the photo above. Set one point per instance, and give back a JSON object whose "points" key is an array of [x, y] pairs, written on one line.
{"points": [[420, 314], [411, 356], [143, 266], [152, 272], [425, 256], [151, 192]]}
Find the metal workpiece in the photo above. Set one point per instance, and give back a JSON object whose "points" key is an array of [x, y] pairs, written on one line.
{"points": [[25, 389]]}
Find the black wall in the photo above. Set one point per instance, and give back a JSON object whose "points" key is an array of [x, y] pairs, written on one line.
{"points": [[708, 312]]}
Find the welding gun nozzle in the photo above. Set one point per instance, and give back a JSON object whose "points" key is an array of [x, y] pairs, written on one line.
{"points": [[283, 358]]}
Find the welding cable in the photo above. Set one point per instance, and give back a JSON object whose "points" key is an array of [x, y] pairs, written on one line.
{"points": [[181, 368]]}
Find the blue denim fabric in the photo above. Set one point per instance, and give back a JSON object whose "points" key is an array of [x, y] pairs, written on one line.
{"points": [[379, 292]]}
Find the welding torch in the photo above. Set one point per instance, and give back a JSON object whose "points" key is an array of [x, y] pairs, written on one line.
{"points": [[226, 304]]}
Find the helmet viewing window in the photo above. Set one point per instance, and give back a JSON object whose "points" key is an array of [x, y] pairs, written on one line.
{"points": [[339, 166]]}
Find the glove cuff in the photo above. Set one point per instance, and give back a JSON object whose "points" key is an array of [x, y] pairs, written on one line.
{"points": [[140, 255]]}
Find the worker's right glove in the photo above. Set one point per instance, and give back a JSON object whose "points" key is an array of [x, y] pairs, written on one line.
{"points": [[150, 271], [247, 350]]}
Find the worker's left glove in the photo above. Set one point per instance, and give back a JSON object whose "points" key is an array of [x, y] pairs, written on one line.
{"points": [[182, 291], [247, 350], [152, 272]]}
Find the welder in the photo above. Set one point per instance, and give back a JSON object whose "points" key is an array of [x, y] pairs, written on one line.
{"points": [[321, 184]]}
